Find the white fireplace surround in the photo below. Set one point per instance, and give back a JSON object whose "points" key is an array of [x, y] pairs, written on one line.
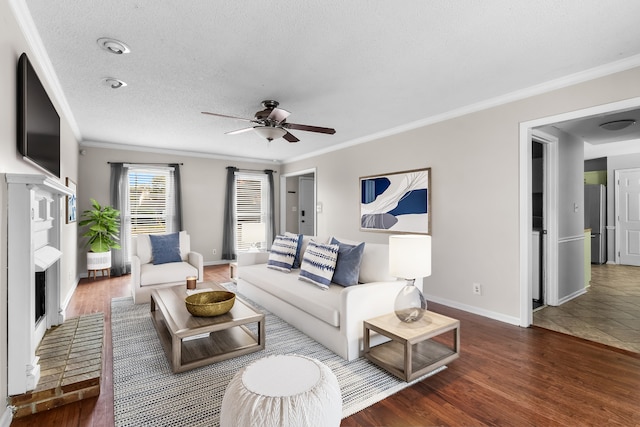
{"points": [[35, 216]]}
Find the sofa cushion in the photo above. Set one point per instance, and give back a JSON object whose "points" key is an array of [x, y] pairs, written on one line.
{"points": [[174, 272], [165, 248], [348, 263], [283, 252], [321, 304], [318, 264]]}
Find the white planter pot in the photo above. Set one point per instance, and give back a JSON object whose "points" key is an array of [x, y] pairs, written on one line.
{"points": [[98, 260]]}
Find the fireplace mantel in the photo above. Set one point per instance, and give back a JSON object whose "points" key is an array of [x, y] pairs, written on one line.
{"points": [[35, 214]]}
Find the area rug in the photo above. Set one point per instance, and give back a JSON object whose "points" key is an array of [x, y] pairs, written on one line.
{"points": [[147, 393]]}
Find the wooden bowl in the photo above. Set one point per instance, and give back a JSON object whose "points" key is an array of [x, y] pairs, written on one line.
{"points": [[211, 303]]}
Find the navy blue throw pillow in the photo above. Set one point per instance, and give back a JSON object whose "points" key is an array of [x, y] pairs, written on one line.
{"points": [[348, 264], [165, 248]]}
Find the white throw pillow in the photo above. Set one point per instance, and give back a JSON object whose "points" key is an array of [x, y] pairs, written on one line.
{"points": [[318, 264], [144, 248], [283, 253]]}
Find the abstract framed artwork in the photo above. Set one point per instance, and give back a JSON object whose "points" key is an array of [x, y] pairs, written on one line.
{"points": [[398, 202], [71, 202]]}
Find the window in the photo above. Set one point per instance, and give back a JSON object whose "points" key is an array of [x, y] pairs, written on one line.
{"points": [[151, 199], [252, 196]]}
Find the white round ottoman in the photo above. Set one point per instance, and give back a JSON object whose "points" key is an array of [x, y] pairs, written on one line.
{"points": [[282, 390]]}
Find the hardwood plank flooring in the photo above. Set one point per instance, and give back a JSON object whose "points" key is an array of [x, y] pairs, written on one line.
{"points": [[505, 376]]}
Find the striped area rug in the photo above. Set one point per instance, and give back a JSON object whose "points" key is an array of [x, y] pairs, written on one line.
{"points": [[148, 393]]}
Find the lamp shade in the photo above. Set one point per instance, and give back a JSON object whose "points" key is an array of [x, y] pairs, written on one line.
{"points": [[269, 132], [253, 232], [410, 256]]}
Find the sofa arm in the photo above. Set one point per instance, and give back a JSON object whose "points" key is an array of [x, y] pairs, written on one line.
{"points": [[135, 274], [251, 258], [196, 260]]}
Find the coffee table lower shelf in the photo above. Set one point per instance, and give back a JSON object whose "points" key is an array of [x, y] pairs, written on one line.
{"points": [[204, 349]]}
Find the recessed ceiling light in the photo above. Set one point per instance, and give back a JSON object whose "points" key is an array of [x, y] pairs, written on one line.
{"points": [[113, 46], [114, 83], [617, 124]]}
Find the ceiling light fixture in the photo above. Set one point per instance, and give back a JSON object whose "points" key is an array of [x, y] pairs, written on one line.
{"points": [[113, 46], [114, 83], [270, 132], [617, 124]]}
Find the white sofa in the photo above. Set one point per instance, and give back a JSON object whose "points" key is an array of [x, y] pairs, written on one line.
{"points": [[333, 317], [146, 276]]}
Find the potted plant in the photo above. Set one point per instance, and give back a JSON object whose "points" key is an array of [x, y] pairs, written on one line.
{"points": [[103, 228]]}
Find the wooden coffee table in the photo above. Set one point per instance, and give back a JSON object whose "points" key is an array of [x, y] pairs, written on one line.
{"points": [[190, 342], [412, 351]]}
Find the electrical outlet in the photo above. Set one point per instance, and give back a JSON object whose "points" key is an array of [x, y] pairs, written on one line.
{"points": [[477, 289], [215, 251]]}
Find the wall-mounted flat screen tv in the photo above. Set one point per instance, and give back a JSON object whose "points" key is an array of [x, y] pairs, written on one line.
{"points": [[38, 121]]}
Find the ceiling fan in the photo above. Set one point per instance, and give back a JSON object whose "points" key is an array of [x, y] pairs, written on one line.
{"points": [[271, 123]]}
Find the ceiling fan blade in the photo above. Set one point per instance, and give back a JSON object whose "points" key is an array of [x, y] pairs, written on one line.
{"points": [[289, 137], [308, 128], [235, 132], [229, 117], [278, 114]]}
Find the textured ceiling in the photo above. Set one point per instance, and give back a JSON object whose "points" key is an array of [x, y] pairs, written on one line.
{"points": [[362, 67]]}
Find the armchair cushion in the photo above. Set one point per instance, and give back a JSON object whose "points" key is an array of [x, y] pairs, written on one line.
{"points": [[165, 248]]}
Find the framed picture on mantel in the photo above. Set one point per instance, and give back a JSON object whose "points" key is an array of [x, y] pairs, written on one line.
{"points": [[398, 202], [71, 202]]}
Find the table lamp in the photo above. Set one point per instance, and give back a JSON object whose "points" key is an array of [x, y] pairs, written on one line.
{"points": [[253, 233], [410, 258]]}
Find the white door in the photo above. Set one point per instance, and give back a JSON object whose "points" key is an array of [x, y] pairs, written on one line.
{"points": [[306, 207], [629, 216]]}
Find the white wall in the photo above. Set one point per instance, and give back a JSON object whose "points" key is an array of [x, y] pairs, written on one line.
{"points": [[203, 192], [475, 200], [12, 44]]}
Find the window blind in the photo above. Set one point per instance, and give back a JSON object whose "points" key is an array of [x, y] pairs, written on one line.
{"points": [[151, 193], [251, 201]]}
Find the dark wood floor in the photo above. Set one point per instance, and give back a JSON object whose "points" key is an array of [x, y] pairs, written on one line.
{"points": [[505, 376]]}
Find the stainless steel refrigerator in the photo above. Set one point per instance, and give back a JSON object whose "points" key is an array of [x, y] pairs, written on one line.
{"points": [[595, 205]]}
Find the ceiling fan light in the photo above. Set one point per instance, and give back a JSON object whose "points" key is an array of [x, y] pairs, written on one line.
{"points": [[270, 132], [617, 124]]}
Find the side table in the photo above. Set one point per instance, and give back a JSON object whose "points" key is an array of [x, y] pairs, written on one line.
{"points": [[233, 271], [412, 352]]}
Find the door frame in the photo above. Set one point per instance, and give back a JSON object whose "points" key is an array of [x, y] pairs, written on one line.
{"points": [[283, 197], [524, 190], [616, 207]]}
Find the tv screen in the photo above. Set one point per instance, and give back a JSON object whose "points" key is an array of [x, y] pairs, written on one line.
{"points": [[38, 121]]}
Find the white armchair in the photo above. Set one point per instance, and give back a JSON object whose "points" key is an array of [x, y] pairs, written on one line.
{"points": [[145, 275]]}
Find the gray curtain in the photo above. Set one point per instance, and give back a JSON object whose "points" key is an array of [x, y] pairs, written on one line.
{"points": [[119, 195], [228, 236], [177, 189], [271, 217]]}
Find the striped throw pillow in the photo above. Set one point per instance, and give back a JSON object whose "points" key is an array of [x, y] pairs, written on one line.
{"points": [[318, 264], [283, 253]]}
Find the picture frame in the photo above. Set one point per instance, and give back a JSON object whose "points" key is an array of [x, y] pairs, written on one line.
{"points": [[71, 211], [397, 202]]}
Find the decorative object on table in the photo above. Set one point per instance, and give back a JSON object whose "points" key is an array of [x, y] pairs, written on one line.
{"points": [[282, 390], [103, 228], [254, 234], [398, 202], [410, 258], [209, 304], [191, 282], [71, 202]]}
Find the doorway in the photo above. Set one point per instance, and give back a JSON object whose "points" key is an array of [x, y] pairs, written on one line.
{"points": [[526, 212], [298, 201]]}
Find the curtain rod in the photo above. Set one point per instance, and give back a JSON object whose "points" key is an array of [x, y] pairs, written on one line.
{"points": [[254, 170], [142, 163]]}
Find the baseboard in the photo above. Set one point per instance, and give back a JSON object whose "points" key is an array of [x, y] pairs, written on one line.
{"points": [[475, 310], [6, 417], [572, 296], [218, 262]]}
